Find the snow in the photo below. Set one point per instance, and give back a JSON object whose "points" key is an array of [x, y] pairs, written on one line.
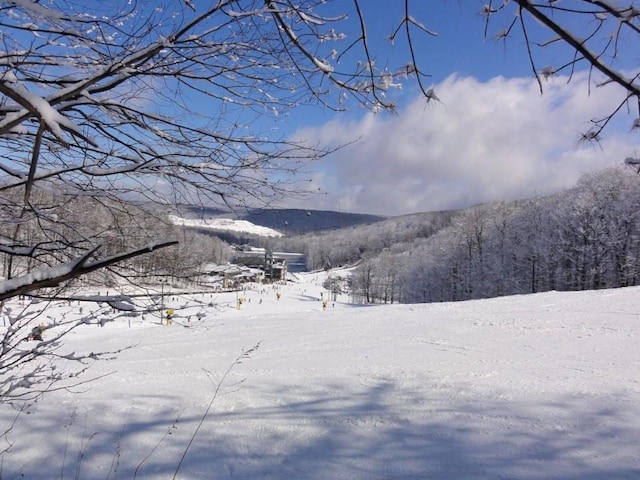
{"points": [[36, 275], [522, 387], [37, 9], [48, 115], [226, 224]]}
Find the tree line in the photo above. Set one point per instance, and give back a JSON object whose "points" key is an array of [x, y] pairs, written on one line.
{"points": [[587, 237]]}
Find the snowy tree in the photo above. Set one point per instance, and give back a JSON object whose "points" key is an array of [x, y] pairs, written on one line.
{"points": [[362, 282]]}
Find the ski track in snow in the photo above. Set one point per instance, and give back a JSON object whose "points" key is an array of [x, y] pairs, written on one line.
{"points": [[523, 387]]}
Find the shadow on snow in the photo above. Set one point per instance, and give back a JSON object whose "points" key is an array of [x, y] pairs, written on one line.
{"points": [[337, 431]]}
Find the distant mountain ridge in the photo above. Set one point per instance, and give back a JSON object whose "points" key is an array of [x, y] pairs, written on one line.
{"points": [[289, 221]]}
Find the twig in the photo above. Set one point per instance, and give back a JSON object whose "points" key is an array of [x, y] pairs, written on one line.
{"points": [[237, 361], [155, 447]]}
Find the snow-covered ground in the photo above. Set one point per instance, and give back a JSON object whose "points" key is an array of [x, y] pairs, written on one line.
{"points": [[225, 224], [543, 386]]}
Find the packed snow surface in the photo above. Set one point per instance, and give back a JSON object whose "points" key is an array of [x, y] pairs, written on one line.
{"points": [[543, 386]]}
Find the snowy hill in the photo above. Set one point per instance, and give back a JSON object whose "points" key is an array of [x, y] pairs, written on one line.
{"points": [[225, 225], [527, 387]]}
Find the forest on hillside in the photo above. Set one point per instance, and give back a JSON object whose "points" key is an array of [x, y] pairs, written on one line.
{"points": [[587, 237], [110, 226]]}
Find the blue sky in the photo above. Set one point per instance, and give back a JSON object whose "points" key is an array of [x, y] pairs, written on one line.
{"points": [[493, 136]]}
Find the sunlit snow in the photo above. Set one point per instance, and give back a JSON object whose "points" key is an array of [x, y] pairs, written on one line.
{"points": [[542, 386], [225, 224]]}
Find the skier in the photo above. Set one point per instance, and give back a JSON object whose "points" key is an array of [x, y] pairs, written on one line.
{"points": [[36, 333]]}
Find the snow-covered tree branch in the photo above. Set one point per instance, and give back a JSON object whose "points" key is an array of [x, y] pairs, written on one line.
{"points": [[54, 276], [562, 37]]}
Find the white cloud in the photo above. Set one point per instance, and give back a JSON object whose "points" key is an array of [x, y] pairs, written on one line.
{"points": [[487, 141]]}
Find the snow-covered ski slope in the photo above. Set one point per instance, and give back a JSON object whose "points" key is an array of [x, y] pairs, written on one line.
{"points": [[543, 386]]}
